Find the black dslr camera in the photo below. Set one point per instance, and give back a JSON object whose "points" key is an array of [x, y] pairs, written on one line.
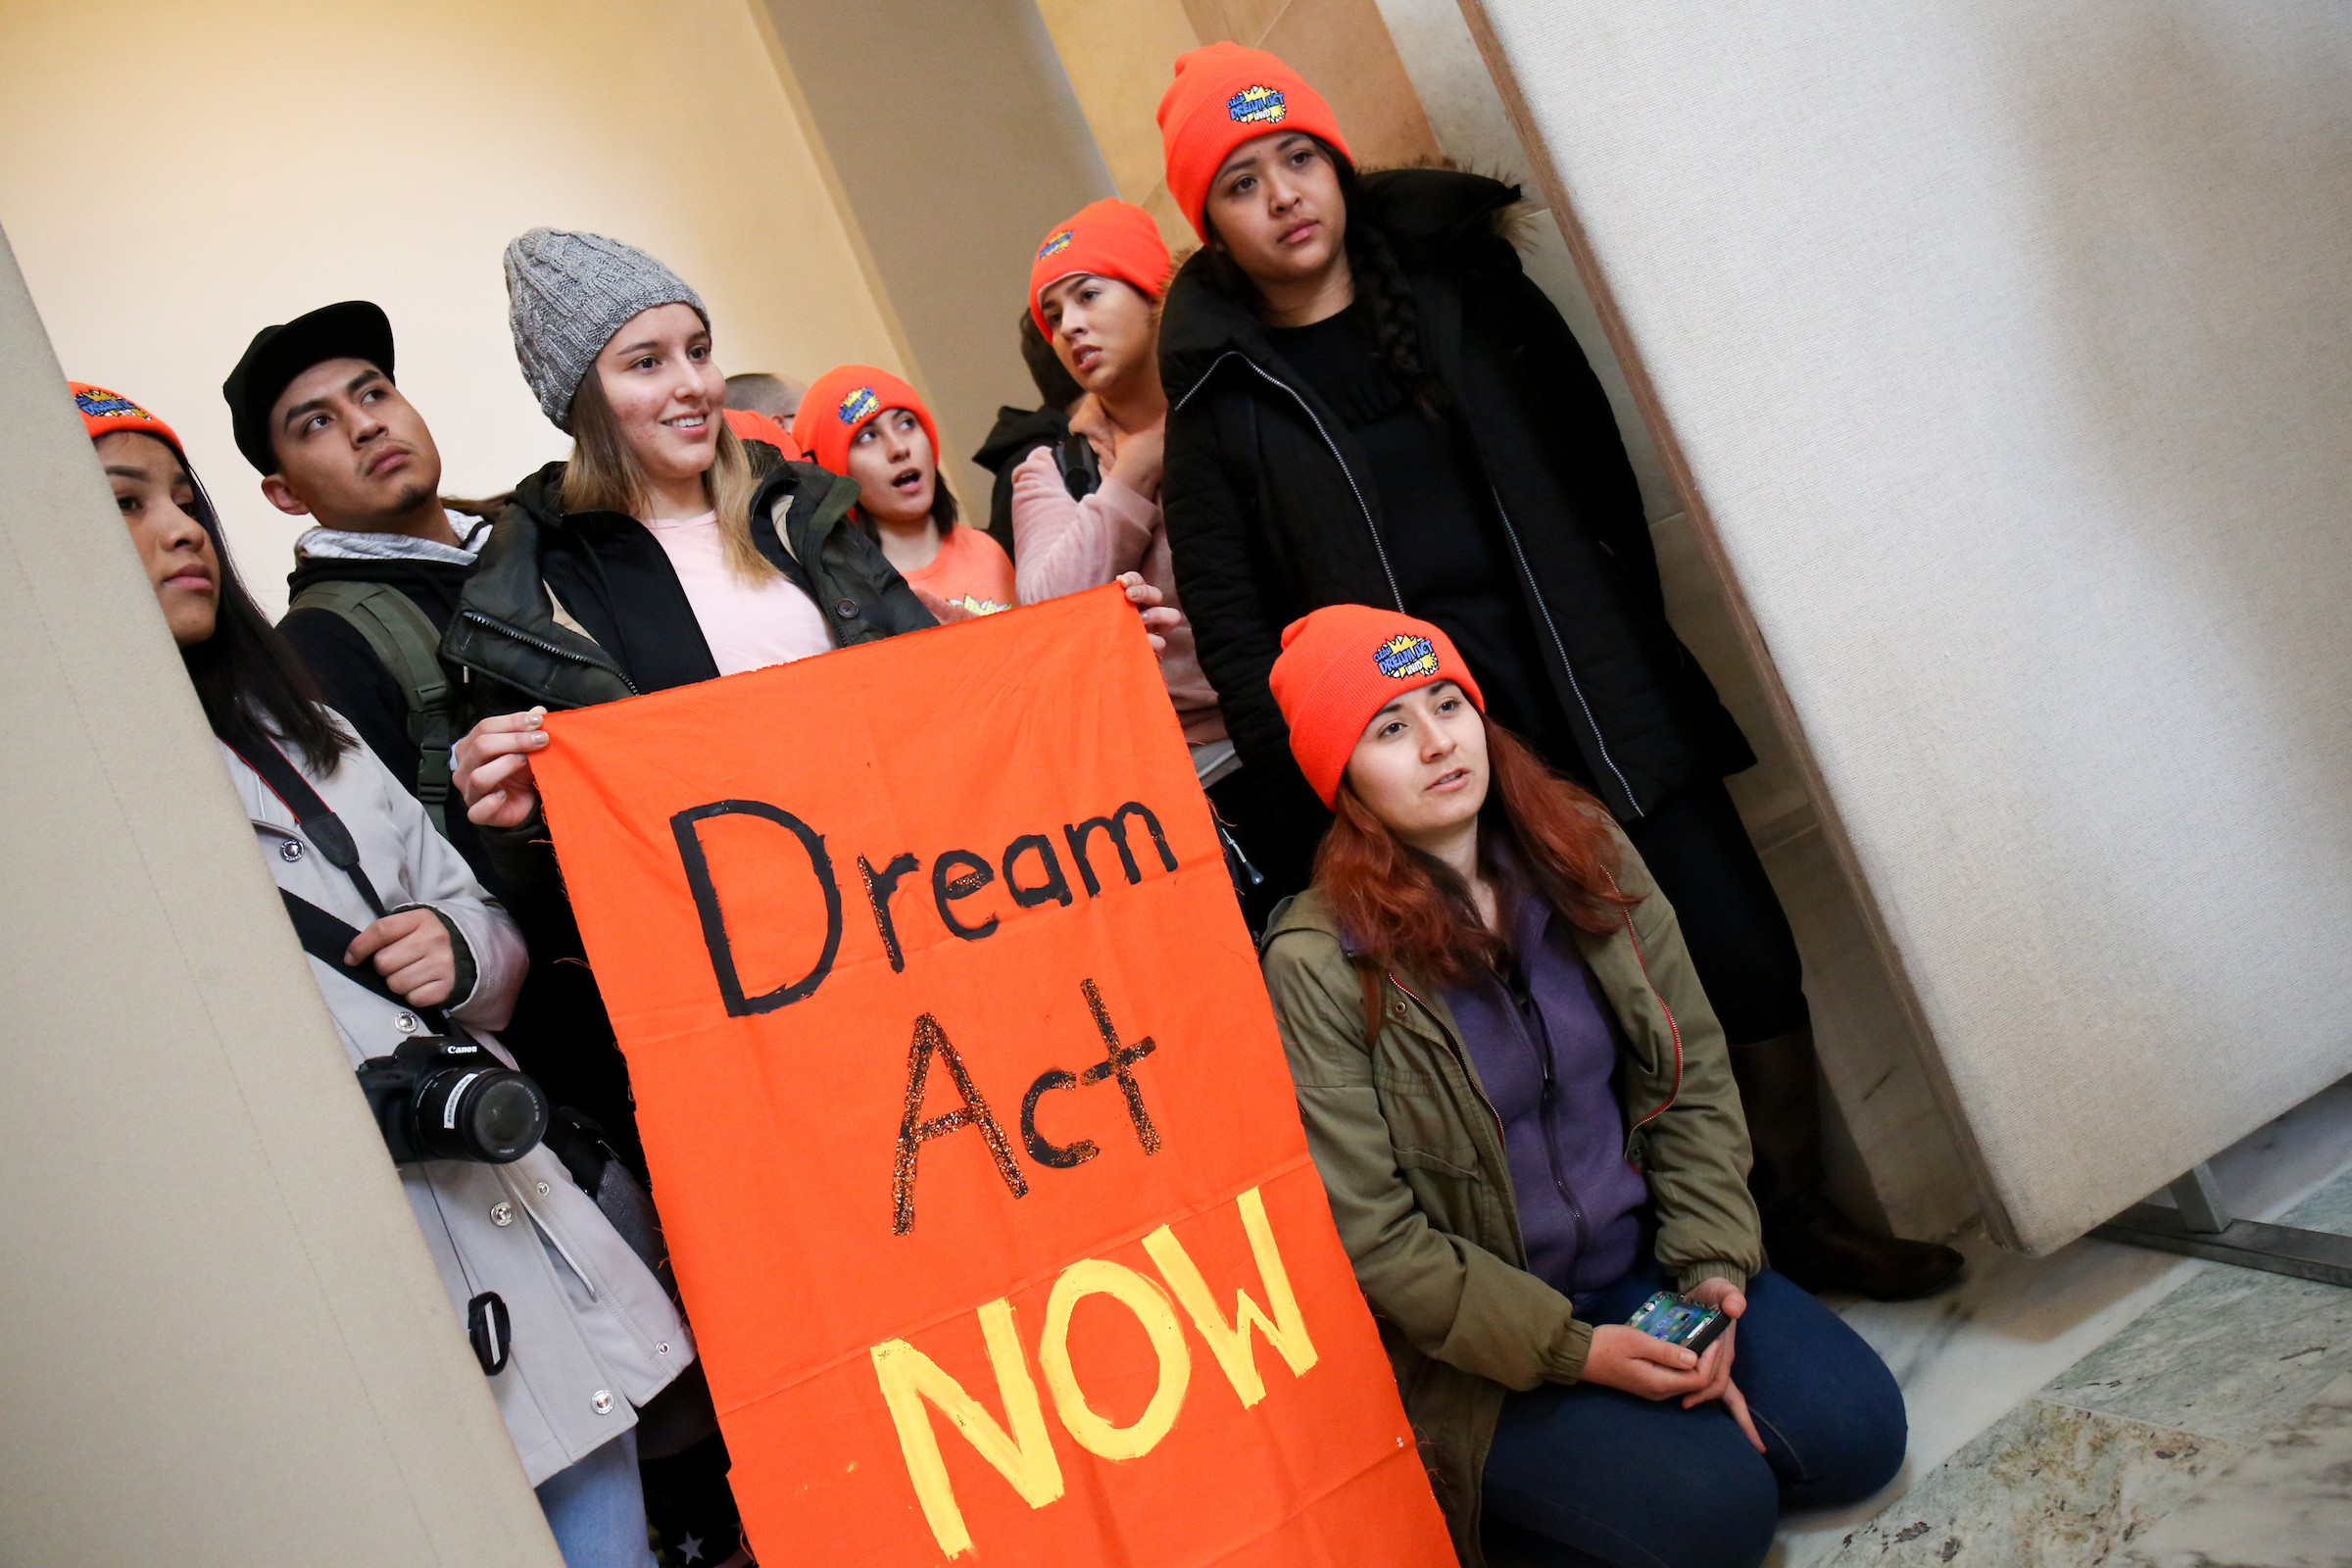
{"points": [[447, 1098]]}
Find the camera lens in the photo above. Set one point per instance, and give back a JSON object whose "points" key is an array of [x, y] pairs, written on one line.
{"points": [[485, 1113], [506, 1118]]}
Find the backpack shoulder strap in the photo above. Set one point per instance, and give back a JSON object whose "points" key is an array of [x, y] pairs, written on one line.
{"points": [[402, 637]]}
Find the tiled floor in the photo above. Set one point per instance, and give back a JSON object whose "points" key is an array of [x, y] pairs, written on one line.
{"points": [[2111, 1406]]}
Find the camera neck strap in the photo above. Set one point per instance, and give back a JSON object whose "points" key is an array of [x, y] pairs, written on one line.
{"points": [[319, 824], [327, 938], [324, 936]]}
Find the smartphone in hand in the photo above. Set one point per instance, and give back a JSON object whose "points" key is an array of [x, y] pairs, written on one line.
{"points": [[1679, 1320]]}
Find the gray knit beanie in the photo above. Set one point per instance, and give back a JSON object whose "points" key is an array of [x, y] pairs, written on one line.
{"points": [[566, 295]]}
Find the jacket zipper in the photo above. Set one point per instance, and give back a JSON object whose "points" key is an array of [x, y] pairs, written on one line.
{"points": [[546, 647], [1574, 685], [1550, 1098], [1363, 506]]}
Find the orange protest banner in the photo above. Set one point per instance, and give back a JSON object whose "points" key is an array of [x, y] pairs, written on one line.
{"points": [[967, 1117]]}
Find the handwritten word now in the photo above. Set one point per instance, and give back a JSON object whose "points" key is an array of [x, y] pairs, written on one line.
{"points": [[1021, 1448]]}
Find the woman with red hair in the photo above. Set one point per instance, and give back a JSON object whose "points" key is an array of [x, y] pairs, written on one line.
{"points": [[1523, 1112]]}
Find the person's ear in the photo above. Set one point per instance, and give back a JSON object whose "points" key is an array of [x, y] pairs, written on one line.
{"points": [[281, 496]]}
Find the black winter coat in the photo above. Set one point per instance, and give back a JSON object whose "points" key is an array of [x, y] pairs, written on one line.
{"points": [[1271, 511]]}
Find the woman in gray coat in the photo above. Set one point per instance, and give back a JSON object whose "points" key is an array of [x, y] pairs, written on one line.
{"points": [[583, 1334]]}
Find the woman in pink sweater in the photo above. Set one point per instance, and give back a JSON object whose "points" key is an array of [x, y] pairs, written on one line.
{"points": [[1094, 291]]}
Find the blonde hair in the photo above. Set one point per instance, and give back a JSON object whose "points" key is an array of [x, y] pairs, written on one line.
{"points": [[604, 475]]}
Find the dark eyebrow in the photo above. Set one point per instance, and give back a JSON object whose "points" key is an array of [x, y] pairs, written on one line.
{"points": [[351, 389], [302, 411], [127, 474], [639, 348]]}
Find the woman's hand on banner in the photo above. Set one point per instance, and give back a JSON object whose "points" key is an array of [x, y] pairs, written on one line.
{"points": [[1157, 622], [493, 770], [1716, 1365]]}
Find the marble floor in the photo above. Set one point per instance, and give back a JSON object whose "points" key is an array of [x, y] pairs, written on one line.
{"points": [[2106, 1405]]}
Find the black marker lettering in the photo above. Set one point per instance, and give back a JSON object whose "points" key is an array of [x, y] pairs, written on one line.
{"points": [[914, 1131], [714, 917], [1115, 827], [946, 887], [1056, 888], [879, 885]]}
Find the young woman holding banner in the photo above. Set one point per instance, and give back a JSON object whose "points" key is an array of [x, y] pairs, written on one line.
{"points": [[586, 1334], [1373, 404], [667, 551], [1521, 1107]]}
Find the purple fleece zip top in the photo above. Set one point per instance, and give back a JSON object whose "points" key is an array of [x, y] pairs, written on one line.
{"points": [[1545, 1045]]}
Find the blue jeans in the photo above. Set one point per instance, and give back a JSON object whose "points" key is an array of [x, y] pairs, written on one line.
{"points": [[595, 1508], [1580, 1474]]}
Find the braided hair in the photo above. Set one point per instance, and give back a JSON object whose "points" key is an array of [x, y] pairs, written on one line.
{"points": [[1380, 287]]}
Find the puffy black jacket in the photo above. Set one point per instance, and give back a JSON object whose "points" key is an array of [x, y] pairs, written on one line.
{"points": [[625, 626], [1271, 511]]}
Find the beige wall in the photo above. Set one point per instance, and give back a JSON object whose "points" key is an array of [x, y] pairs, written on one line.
{"points": [[176, 175], [951, 177]]}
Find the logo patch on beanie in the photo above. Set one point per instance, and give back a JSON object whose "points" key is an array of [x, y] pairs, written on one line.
{"points": [[1405, 656], [99, 403], [1057, 244], [859, 406], [1259, 104]]}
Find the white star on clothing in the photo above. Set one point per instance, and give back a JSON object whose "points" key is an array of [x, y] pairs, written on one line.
{"points": [[690, 1547]]}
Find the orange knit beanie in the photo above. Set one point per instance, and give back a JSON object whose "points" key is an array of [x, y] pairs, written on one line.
{"points": [[103, 413], [1223, 96], [1108, 239], [838, 403], [1344, 663]]}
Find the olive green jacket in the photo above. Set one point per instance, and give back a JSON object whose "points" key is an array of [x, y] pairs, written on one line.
{"points": [[1411, 1155]]}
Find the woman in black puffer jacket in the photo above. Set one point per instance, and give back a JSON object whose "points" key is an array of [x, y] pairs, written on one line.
{"points": [[1371, 403]]}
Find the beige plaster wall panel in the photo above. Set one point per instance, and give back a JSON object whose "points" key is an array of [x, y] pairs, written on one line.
{"points": [[226, 1345], [2004, 352], [1118, 55], [955, 141], [177, 176]]}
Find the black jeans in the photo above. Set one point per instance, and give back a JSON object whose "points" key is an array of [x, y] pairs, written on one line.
{"points": [[1698, 850]]}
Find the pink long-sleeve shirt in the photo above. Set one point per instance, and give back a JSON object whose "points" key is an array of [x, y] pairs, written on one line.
{"points": [[1062, 546]]}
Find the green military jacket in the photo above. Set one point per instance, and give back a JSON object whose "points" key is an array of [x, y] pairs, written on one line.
{"points": [[1411, 1153]]}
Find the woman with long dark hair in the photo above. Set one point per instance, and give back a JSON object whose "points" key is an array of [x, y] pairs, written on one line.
{"points": [[569, 1363], [1523, 1112], [1371, 403]]}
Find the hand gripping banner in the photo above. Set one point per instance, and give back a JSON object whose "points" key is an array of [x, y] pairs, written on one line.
{"points": [[967, 1117]]}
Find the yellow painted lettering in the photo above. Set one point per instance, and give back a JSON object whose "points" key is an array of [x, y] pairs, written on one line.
{"points": [[1024, 1455], [1229, 1343], [1093, 1276]]}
